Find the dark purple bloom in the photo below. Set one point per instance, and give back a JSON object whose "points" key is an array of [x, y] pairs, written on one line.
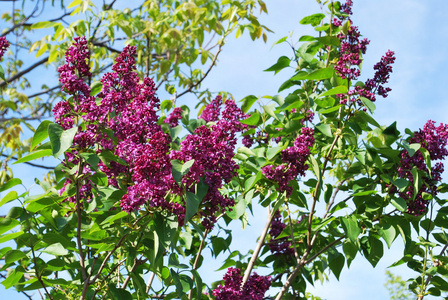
{"points": [[254, 289]]}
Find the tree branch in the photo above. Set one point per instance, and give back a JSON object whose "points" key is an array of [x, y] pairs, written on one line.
{"points": [[192, 86], [258, 248], [31, 164], [21, 73], [196, 261]]}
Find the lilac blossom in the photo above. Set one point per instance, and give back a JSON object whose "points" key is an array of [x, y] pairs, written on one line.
{"points": [[4, 45], [293, 161], [254, 289], [434, 140]]}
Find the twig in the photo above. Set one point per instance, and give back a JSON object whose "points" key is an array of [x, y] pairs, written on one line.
{"points": [[151, 279], [192, 86], [31, 164], [134, 266], [29, 297], [323, 250], [21, 73], [196, 261], [260, 243]]}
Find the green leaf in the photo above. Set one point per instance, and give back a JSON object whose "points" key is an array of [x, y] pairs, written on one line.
{"points": [[56, 249], [283, 39], [91, 158], [119, 294], [40, 134], [336, 263], [350, 250], [427, 158], [307, 38], [179, 169], [12, 279], [115, 217], [248, 102], [2, 73], [237, 210], [399, 204], [43, 24], [34, 155], [7, 224], [351, 228], [60, 139], [376, 251], [10, 183], [325, 129], [334, 91], [14, 255], [252, 120], [192, 202], [272, 152], [282, 62], [346, 27], [251, 181], [40, 203], [417, 180], [10, 236], [95, 88], [12, 195], [388, 233], [320, 74], [369, 104], [329, 40], [268, 109], [314, 20]]}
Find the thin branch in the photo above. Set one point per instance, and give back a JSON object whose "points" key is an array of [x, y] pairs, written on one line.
{"points": [[258, 248], [31, 164], [296, 253], [21, 73], [192, 86], [111, 272], [103, 44], [137, 263], [103, 264], [323, 250], [45, 91], [196, 261], [29, 297], [151, 279]]}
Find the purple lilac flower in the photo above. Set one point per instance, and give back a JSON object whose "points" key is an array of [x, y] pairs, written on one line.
{"points": [[294, 161], [4, 45], [434, 139], [123, 120], [254, 289], [376, 85], [279, 246], [174, 117], [212, 149]]}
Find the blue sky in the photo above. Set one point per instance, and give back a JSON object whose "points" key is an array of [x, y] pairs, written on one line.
{"points": [[418, 33]]}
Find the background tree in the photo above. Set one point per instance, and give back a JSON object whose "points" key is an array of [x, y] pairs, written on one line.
{"points": [[365, 183], [178, 44]]}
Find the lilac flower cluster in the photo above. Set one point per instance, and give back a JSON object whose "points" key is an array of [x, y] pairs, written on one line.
{"points": [[349, 61], [376, 85], [212, 149], [294, 161], [434, 139], [4, 45], [351, 46], [174, 117], [279, 246], [122, 119], [254, 289]]}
